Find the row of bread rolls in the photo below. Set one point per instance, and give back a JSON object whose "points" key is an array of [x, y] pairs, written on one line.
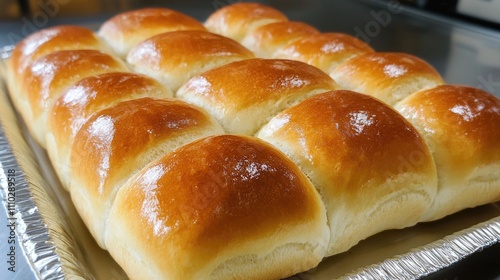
{"points": [[106, 123], [460, 124], [159, 183]]}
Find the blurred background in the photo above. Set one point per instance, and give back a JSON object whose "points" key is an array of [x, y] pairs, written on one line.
{"points": [[486, 12]]}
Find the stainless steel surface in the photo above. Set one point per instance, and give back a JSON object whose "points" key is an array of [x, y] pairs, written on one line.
{"points": [[487, 10], [463, 53]]}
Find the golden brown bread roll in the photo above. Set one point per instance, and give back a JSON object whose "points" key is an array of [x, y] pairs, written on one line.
{"points": [[387, 76], [127, 29], [267, 39], [174, 57], [371, 166], [43, 42], [86, 97], [324, 50], [222, 207], [117, 142], [461, 125], [47, 78], [244, 95], [237, 20]]}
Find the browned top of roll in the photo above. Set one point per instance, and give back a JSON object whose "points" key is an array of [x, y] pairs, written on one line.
{"points": [[94, 93], [174, 57], [127, 29], [462, 124], [105, 148], [387, 76], [236, 20], [384, 67], [49, 75], [45, 41], [324, 50], [267, 39], [246, 83], [185, 48], [350, 142], [213, 195]]}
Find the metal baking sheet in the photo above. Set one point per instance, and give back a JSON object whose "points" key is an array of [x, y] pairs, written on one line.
{"points": [[57, 245]]}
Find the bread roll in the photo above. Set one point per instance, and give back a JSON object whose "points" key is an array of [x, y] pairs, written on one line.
{"points": [[85, 98], [388, 76], [43, 42], [223, 207], [371, 167], [461, 125], [127, 29], [267, 39], [174, 57], [244, 95], [324, 50], [237, 20], [117, 142], [47, 78]]}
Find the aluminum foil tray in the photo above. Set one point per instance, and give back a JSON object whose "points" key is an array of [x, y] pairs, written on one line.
{"points": [[57, 245]]}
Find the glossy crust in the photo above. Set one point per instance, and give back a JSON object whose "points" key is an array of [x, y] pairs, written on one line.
{"points": [[43, 42], [126, 30], [388, 76], [244, 95], [47, 78], [85, 98], [237, 20], [461, 125], [117, 142], [174, 57], [372, 168], [267, 39], [324, 50], [223, 207]]}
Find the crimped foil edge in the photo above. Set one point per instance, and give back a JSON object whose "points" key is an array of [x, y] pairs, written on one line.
{"points": [[44, 234], [32, 232], [435, 256]]}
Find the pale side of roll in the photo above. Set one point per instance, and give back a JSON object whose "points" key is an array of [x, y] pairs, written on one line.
{"points": [[387, 76], [119, 141], [244, 95], [43, 42], [174, 57], [49, 76], [461, 125], [324, 50], [86, 97], [125, 30], [237, 20], [266, 40], [222, 207], [370, 165]]}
